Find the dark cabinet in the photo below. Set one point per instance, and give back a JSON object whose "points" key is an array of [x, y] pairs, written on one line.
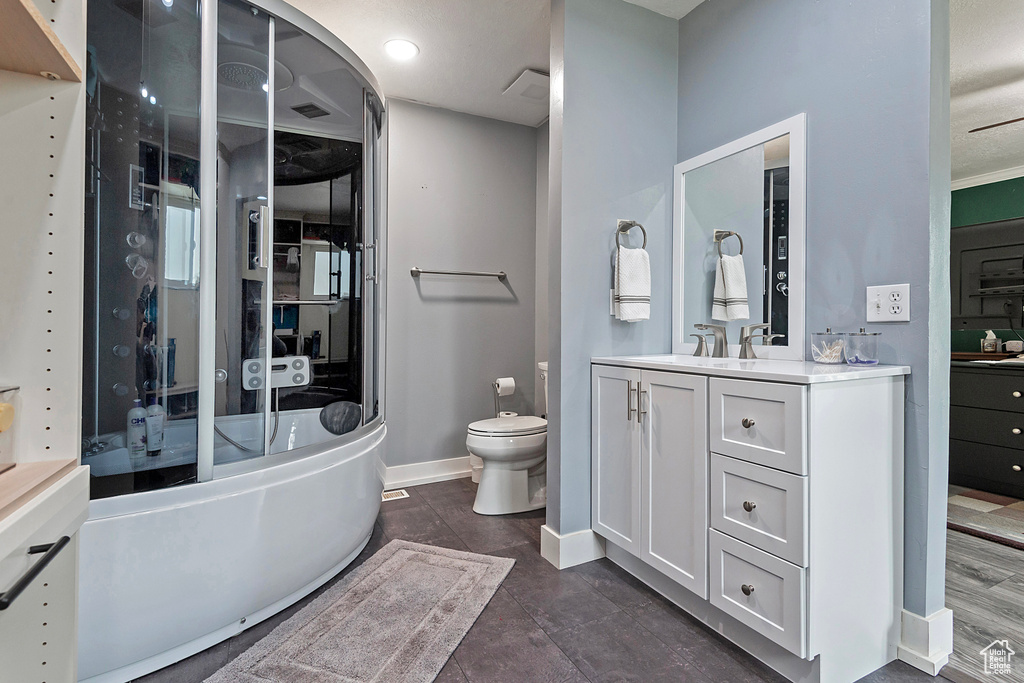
{"points": [[986, 428]]}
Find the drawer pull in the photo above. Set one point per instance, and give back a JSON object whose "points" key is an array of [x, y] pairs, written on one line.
{"points": [[1016, 430], [747, 422], [747, 589], [1016, 394], [51, 550], [629, 399], [749, 505], [1016, 468]]}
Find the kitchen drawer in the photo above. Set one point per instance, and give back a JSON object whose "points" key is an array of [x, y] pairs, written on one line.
{"points": [[987, 389], [995, 427], [761, 422], [764, 507], [760, 590], [986, 467]]}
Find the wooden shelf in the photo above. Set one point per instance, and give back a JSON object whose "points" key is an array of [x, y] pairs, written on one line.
{"points": [[29, 45], [28, 479]]}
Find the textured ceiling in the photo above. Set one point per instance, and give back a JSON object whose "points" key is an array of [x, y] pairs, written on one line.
{"points": [[986, 85], [675, 9], [470, 50]]}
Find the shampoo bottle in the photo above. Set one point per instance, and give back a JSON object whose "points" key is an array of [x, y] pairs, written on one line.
{"points": [[155, 416], [136, 437]]}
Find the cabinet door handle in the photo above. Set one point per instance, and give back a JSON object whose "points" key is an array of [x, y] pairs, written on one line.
{"points": [[51, 549], [749, 505], [747, 588], [629, 399], [640, 406], [747, 422], [1016, 394], [1016, 468], [1016, 430]]}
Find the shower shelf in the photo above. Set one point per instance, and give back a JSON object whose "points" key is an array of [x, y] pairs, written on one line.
{"points": [[29, 45]]}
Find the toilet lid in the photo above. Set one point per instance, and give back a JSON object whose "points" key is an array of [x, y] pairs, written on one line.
{"points": [[520, 425]]}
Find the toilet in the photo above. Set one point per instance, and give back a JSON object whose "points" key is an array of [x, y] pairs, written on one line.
{"points": [[514, 454]]}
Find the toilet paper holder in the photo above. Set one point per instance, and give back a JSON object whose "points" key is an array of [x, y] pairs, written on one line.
{"points": [[499, 384]]}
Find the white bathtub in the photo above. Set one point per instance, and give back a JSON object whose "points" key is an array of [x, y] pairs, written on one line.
{"points": [[165, 574]]}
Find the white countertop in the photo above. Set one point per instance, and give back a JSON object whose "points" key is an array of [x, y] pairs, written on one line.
{"points": [[790, 371]]}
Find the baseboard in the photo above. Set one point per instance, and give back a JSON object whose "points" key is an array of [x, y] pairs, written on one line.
{"points": [[571, 549], [426, 472], [926, 642]]}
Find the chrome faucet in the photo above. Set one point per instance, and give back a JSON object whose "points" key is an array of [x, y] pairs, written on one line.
{"points": [[721, 343], [747, 338]]}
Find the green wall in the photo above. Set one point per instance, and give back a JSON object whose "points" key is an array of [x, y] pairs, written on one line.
{"points": [[986, 203]]}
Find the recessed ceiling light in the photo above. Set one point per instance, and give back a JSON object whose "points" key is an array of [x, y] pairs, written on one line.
{"points": [[400, 49]]}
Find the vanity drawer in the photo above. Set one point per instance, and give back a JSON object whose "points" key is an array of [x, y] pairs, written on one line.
{"points": [[989, 468], [764, 507], [987, 389], [995, 427], [767, 594], [760, 422]]}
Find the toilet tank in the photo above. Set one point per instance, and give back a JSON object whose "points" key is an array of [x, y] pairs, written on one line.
{"points": [[543, 366]]}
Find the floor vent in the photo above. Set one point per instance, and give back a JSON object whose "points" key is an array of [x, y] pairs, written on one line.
{"points": [[394, 495]]}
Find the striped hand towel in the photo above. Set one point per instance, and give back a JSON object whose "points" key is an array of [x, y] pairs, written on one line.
{"points": [[730, 298], [632, 301]]}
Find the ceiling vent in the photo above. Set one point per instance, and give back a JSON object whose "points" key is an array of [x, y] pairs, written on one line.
{"points": [[531, 86], [310, 110]]}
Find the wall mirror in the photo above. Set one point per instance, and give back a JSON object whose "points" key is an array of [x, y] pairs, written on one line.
{"points": [[746, 195]]}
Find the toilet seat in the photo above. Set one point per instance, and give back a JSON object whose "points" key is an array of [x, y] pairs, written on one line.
{"points": [[520, 425]]}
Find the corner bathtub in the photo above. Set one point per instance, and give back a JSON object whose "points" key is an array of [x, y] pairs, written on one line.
{"points": [[165, 574]]}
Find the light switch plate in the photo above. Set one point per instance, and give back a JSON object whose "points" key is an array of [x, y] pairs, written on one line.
{"points": [[888, 304]]}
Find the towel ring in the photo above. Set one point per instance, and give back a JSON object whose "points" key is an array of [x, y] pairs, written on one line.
{"points": [[720, 236], [626, 226]]}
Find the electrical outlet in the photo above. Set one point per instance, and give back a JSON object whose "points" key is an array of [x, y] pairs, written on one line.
{"points": [[888, 303]]}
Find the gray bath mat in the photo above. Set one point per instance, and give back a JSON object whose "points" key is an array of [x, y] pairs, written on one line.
{"points": [[398, 617]]}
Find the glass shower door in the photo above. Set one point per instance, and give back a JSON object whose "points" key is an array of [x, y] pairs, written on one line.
{"points": [[242, 424]]}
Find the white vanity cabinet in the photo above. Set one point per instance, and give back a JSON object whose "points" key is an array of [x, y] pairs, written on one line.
{"points": [[650, 468], [771, 490]]}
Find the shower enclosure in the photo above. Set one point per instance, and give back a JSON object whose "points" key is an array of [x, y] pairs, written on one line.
{"points": [[234, 285]]}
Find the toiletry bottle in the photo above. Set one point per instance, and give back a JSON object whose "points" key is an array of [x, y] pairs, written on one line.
{"points": [[136, 437], [314, 351], [155, 416]]}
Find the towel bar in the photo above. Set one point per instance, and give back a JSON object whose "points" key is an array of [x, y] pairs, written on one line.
{"points": [[720, 236], [624, 227], [416, 272]]}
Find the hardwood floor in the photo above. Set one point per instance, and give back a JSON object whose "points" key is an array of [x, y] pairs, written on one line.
{"points": [[985, 590]]}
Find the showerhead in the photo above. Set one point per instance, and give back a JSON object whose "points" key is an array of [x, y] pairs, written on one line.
{"points": [[241, 76]]}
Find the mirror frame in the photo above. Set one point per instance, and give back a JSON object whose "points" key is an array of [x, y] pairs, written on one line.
{"points": [[795, 127]]}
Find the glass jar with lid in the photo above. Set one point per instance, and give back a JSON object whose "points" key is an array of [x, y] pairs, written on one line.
{"points": [[862, 347]]}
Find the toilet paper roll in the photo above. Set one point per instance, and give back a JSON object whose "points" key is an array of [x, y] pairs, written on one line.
{"points": [[508, 413], [506, 386]]}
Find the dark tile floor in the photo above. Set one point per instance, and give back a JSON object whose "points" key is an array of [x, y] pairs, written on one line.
{"points": [[591, 623]]}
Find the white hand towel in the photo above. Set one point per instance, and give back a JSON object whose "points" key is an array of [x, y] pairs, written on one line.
{"points": [[730, 302], [632, 301]]}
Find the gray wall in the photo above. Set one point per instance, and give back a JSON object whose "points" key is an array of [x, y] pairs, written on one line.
{"points": [[876, 94], [461, 196], [612, 137], [540, 340]]}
